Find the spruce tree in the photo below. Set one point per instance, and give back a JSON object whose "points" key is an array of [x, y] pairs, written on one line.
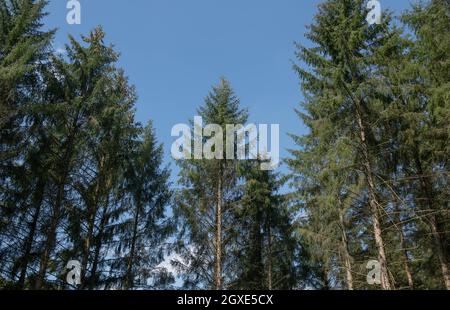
{"points": [[23, 45], [426, 131], [205, 201], [266, 251], [141, 231], [340, 105], [24, 48]]}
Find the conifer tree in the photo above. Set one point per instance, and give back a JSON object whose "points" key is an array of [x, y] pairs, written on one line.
{"points": [[72, 157], [340, 107], [23, 45], [75, 94], [266, 251], [209, 189], [144, 227], [24, 48], [110, 135], [426, 131], [375, 103]]}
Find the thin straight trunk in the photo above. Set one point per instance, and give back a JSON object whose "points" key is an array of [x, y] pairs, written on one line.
{"points": [[406, 261], [98, 244], [408, 273], [57, 209], [49, 245], [91, 223], [346, 253], [426, 188], [130, 277], [373, 201], [256, 271], [51, 239], [325, 281], [37, 201], [218, 235], [269, 260], [87, 247], [440, 251]]}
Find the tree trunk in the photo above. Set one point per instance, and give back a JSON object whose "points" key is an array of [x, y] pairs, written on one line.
{"points": [[91, 223], [373, 201], [51, 238], [408, 273], [346, 253], [57, 211], [440, 250], [406, 261], [98, 244], [87, 247], [433, 221], [37, 201], [255, 272], [130, 278], [218, 236], [45, 257], [325, 281], [269, 259]]}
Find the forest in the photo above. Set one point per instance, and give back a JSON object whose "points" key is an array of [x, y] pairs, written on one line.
{"points": [[81, 179]]}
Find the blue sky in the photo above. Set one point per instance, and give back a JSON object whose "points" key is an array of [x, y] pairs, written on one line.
{"points": [[174, 50]]}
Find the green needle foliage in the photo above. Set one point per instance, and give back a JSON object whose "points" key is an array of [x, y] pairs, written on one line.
{"points": [[371, 176], [204, 204], [81, 180]]}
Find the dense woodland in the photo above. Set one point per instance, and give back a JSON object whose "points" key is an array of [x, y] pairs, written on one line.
{"points": [[81, 179]]}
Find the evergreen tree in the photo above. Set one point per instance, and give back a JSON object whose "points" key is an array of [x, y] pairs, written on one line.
{"points": [[110, 135], [85, 169], [23, 45], [209, 190], [375, 101], [80, 179], [24, 48], [427, 137], [341, 108], [266, 250], [76, 92], [141, 231]]}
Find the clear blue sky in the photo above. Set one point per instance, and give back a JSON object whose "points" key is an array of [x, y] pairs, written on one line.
{"points": [[174, 50]]}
